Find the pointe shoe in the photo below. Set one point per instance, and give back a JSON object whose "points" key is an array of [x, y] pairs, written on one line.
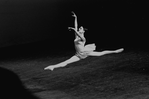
{"points": [[119, 50], [55, 66], [50, 68]]}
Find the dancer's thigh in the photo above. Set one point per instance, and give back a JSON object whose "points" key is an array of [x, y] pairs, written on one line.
{"points": [[74, 58]]}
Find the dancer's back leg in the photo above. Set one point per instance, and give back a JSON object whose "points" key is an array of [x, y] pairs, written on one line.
{"points": [[105, 52]]}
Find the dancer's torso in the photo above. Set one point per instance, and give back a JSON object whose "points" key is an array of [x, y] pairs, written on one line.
{"points": [[79, 44]]}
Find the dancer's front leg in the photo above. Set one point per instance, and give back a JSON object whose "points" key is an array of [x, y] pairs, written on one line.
{"points": [[52, 67], [63, 64], [105, 52]]}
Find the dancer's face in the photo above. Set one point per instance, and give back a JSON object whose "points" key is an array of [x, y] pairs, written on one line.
{"points": [[81, 30]]}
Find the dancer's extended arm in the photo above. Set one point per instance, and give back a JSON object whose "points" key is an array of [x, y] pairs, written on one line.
{"points": [[76, 32]]}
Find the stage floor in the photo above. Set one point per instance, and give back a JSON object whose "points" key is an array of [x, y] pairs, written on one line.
{"points": [[115, 76]]}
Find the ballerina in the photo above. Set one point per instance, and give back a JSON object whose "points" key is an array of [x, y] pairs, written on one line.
{"points": [[82, 50]]}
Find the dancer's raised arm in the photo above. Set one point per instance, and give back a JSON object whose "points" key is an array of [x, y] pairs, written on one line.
{"points": [[76, 26], [75, 21]]}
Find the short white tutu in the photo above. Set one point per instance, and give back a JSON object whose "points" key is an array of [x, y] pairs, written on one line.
{"points": [[90, 47], [87, 49]]}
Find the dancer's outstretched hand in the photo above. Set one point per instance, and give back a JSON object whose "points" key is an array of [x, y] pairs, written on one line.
{"points": [[74, 15], [71, 28]]}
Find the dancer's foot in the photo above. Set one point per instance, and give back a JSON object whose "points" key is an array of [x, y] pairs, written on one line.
{"points": [[52, 67], [49, 68], [119, 50]]}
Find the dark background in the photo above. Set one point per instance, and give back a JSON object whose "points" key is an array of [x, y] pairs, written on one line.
{"points": [[43, 24]]}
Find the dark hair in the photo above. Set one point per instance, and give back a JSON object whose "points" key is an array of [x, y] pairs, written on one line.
{"points": [[83, 28]]}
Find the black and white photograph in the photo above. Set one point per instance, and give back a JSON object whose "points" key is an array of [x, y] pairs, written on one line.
{"points": [[74, 49]]}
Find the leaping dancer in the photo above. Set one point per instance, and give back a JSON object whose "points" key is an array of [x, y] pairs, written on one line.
{"points": [[82, 50]]}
